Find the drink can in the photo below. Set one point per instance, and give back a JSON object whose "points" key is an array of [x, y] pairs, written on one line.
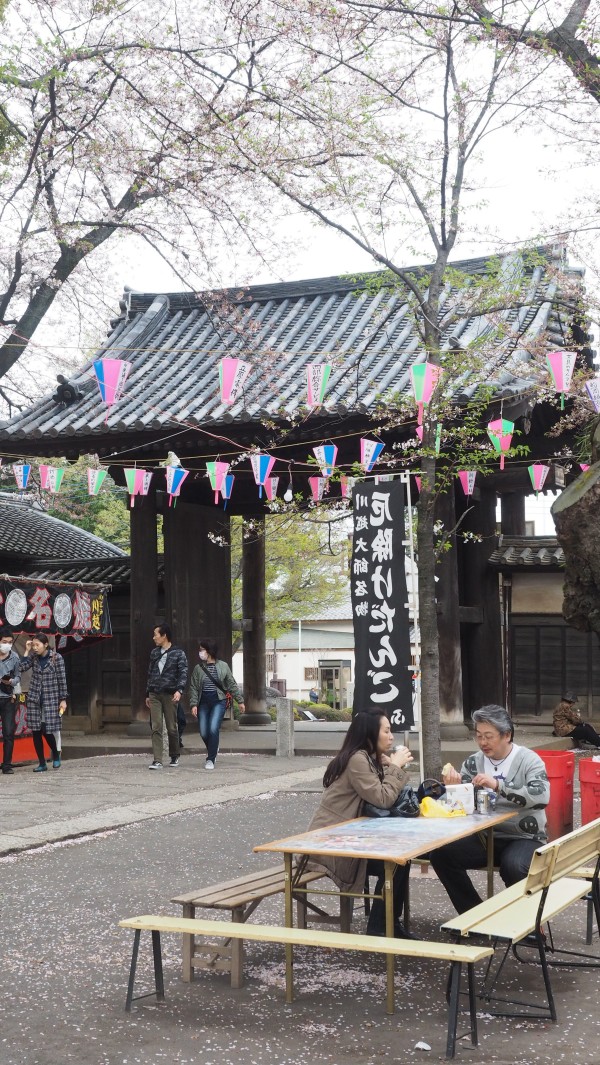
{"points": [[483, 801]]}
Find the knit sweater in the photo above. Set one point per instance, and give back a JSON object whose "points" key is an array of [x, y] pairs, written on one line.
{"points": [[526, 792]]}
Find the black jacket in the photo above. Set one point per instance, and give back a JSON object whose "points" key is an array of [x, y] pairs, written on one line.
{"points": [[175, 671]]}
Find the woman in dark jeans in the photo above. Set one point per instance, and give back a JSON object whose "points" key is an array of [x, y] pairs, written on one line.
{"points": [[211, 682]]}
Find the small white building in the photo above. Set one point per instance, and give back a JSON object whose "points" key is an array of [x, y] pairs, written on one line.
{"points": [[313, 654]]}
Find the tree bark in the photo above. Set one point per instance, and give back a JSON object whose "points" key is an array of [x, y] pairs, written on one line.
{"points": [[575, 514]]}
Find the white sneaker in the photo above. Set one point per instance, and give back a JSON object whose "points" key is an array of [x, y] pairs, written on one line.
{"points": [[155, 765], [208, 764]]}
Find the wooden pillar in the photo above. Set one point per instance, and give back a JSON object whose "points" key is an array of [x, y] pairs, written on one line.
{"points": [[512, 510], [447, 594], [482, 629], [253, 610], [197, 577], [144, 596]]}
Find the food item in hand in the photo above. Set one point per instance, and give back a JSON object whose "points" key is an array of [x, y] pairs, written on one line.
{"points": [[448, 768]]}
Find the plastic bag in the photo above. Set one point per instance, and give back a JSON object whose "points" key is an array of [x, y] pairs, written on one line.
{"points": [[432, 808]]}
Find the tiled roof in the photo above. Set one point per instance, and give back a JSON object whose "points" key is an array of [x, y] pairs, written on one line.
{"points": [[517, 552], [175, 342], [113, 571], [27, 532]]}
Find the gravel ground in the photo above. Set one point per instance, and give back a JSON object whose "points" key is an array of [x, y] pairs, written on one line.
{"points": [[65, 963]]}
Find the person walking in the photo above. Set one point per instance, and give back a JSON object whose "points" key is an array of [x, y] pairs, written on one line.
{"points": [[46, 698], [567, 722], [212, 681], [167, 678], [10, 673]]}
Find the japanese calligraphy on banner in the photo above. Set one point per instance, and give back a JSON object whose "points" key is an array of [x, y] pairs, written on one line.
{"points": [[77, 611], [379, 603]]}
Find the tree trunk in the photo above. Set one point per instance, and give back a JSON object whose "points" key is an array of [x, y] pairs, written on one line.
{"points": [[575, 514], [430, 666]]}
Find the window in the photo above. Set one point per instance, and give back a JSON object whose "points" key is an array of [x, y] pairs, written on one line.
{"points": [[311, 673]]}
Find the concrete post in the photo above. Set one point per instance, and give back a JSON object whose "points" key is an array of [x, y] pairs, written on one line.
{"points": [[285, 728]]}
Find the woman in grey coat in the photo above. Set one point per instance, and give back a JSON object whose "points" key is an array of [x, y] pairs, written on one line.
{"points": [[365, 770], [46, 698]]}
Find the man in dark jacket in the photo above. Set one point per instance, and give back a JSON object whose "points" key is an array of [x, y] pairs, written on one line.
{"points": [[167, 678]]}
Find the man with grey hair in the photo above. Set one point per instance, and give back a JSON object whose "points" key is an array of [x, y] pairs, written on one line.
{"points": [[518, 777]]}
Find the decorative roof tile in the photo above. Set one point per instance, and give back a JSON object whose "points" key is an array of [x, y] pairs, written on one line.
{"points": [[533, 552]]}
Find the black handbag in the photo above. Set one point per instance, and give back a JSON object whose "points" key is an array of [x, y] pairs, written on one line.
{"points": [[430, 789], [406, 805]]}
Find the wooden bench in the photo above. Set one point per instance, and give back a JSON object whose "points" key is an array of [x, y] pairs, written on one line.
{"points": [[241, 897], [557, 878], [456, 954]]}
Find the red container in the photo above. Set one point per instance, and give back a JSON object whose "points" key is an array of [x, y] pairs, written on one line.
{"points": [[560, 767], [589, 778]]}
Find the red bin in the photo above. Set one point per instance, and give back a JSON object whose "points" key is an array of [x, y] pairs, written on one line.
{"points": [[560, 767], [589, 778]]}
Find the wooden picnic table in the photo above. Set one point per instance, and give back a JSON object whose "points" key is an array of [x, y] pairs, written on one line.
{"points": [[393, 840]]}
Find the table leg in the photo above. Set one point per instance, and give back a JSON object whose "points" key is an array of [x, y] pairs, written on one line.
{"points": [[490, 862], [389, 870], [289, 923], [189, 910]]}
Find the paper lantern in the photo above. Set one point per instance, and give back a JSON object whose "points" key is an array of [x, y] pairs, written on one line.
{"points": [[317, 487], [261, 468], [271, 487], [467, 480], [138, 482], [217, 472], [419, 430], [21, 473], [561, 365], [95, 479], [346, 484], [419, 481], [51, 477], [232, 376], [538, 473], [176, 475], [370, 450], [584, 466], [317, 376], [227, 488], [111, 375], [425, 377], [500, 433], [326, 455], [593, 390]]}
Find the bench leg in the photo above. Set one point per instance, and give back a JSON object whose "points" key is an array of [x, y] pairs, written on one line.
{"points": [[301, 911], [187, 975], [472, 1003], [158, 969], [289, 923], [346, 911], [589, 931], [237, 952], [132, 968], [453, 1008]]}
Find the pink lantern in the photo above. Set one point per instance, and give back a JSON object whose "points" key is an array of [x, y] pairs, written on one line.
{"points": [[584, 466], [561, 365], [317, 376], [94, 480], [138, 482], [271, 487], [261, 468], [326, 455], [467, 480], [217, 472], [419, 481], [370, 450], [538, 473], [345, 486], [176, 475], [232, 376], [500, 433], [111, 375], [317, 487], [51, 478], [419, 431], [425, 377]]}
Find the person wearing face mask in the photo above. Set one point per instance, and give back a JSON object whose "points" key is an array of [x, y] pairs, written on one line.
{"points": [[10, 673], [46, 698], [212, 681]]}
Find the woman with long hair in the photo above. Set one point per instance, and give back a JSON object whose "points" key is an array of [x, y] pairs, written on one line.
{"points": [[211, 682], [46, 698], [364, 770]]}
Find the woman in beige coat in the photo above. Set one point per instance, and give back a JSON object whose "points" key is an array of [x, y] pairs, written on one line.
{"points": [[365, 770]]}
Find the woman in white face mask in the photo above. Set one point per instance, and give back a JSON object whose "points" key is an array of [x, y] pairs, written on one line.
{"points": [[10, 672], [211, 682]]}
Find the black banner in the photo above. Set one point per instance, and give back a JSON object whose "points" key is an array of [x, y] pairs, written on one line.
{"points": [[379, 597], [74, 612]]}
